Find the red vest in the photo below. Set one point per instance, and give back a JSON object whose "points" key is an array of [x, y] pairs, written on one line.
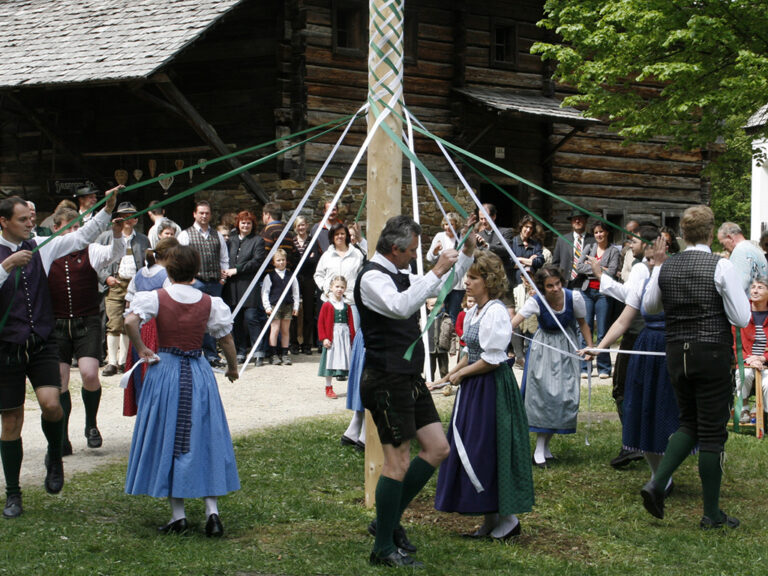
{"points": [[74, 286], [181, 325]]}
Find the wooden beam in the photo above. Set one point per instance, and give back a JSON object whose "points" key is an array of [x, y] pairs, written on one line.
{"points": [[206, 131], [59, 143], [563, 140]]}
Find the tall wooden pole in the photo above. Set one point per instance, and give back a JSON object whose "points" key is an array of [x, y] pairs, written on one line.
{"points": [[385, 164]]}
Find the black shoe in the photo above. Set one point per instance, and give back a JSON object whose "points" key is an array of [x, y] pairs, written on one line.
{"points": [[341, 378], [725, 522], [347, 441], [179, 526], [398, 536], [542, 465], [94, 437], [397, 558], [653, 499], [215, 362], [511, 534], [275, 360], [121, 368], [286, 358], [625, 457], [54, 477], [240, 358], [307, 351], [110, 370], [259, 362], [214, 528], [13, 508], [294, 349], [66, 448], [360, 447]]}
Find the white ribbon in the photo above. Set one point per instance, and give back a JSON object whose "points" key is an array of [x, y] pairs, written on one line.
{"points": [[463, 456], [127, 376]]}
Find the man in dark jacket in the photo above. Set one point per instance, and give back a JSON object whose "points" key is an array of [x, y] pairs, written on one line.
{"points": [[563, 255]]}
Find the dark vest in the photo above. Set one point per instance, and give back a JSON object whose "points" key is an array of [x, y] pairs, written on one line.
{"points": [[387, 339], [693, 308], [31, 305], [74, 286], [210, 253], [277, 287]]}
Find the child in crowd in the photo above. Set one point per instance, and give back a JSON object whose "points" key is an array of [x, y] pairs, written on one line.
{"points": [[466, 304], [224, 230], [274, 284], [336, 330], [528, 328], [440, 338]]}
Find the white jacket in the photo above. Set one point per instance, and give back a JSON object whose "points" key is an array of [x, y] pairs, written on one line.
{"points": [[333, 264]]}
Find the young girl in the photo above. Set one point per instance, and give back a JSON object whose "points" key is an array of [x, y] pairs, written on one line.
{"points": [[181, 445], [336, 330], [273, 286]]}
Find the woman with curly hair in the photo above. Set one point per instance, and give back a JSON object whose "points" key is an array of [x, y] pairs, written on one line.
{"points": [[551, 383], [488, 470]]}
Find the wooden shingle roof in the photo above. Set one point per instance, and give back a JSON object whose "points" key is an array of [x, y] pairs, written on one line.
{"points": [[757, 121], [47, 42]]}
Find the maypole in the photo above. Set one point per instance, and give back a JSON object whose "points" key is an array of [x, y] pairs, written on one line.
{"points": [[385, 162]]}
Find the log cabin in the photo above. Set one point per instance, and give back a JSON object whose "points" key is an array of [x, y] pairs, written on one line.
{"points": [[89, 88]]}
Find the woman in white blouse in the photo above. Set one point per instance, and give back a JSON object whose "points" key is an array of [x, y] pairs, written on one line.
{"points": [[341, 259], [488, 470], [446, 240]]}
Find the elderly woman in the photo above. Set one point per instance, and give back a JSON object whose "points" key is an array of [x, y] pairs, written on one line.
{"points": [[306, 316], [551, 379], [246, 254], [488, 470], [599, 306], [341, 259], [446, 240], [527, 248], [753, 347]]}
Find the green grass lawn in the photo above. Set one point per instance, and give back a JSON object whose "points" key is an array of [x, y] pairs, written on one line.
{"points": [[300, 511]]}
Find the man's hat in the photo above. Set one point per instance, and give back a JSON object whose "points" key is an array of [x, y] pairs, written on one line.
{"points": [[575, 213], [86, 191], [126, 208]]}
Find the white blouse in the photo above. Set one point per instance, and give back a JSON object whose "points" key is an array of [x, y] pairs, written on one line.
{"points": [[531, 307], [495, 331], [145, 306]]}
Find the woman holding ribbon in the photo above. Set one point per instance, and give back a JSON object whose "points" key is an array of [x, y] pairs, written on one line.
{"points": [[488, 470], [551, 383], [181, 445]]}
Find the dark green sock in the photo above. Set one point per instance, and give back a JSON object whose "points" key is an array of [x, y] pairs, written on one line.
{"points": [[711, 474], [419, 473], [53, 433], [11, 452], [388, 495], [66, 405], [678, 449], [91, 400]]}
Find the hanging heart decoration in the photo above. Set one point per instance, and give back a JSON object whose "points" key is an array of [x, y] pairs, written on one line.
{"points": [[152, 168], [138, 173], [165, 182], [201, 162]]}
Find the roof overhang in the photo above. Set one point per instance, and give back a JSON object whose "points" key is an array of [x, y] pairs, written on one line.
{"points": [[526, 105], [757, 121]]}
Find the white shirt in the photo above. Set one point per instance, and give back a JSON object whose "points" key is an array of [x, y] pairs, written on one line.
{"points": [[379, 293], [446, 243], [266, 286], [146, 304], [127, 267], [531, 307], [631, 292], [183, 239], [495, 331], [727, 284], [64, 244]]}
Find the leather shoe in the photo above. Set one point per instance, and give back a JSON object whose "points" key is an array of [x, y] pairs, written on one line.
{"points": [[625, 457], [653, 499], [511, 534], [179, 526], [13, 508], [259, 362], [398, 537], [477, 535], [94, 437], [360, 446], [347, 441], [54, 477], [213, 527], [725, 522], [110, 370], [397, 558]]}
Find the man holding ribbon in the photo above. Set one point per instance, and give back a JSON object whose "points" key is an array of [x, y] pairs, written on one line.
{"points": [[388, 297], [26, 349]]}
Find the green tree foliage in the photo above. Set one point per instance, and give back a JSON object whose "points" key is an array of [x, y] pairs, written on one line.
{"points": [[690, 70]]}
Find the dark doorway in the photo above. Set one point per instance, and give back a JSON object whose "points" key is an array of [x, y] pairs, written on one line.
{"points": [[507, 212]]}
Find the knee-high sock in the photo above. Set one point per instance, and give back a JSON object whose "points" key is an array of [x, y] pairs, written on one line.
{"points": [[177, 508], [113, 347], [123, 355], [388, 497], [11, 452], [53, 433], [678, 449], [711, 474], [211, 505], [66, 406], [418, 474], [91, 400]]}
